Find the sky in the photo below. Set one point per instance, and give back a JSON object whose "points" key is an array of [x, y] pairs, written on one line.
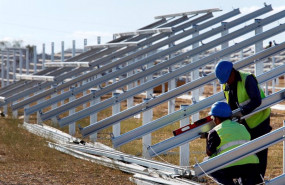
{"points": [[41, 21]]}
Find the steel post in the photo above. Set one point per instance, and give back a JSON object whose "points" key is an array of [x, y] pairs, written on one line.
{"points": [[184, 157], [93, 117], [72, 111], [43, 57], [115, 110], [35, 59]]}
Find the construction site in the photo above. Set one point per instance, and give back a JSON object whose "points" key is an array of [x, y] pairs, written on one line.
{"points": [[132, 110]]}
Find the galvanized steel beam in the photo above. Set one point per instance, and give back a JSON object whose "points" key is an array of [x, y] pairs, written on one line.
{"points": [[11, 89], [170, 94], [110, 66], [186, 137], [239, 152], [174, 169], [67, 64], [35, 77], [277, 180], [125, 69], [143, 106], [113, 45], [157, 67], [188, 13], [146, 31], [104, 59], [178, 115]]}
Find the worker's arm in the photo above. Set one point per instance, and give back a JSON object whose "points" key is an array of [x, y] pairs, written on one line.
{"points": [[251, 86], [213, 141]]}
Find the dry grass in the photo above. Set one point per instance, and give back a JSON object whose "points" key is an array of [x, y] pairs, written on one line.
{"points": [[26, 159], [197, 147]]}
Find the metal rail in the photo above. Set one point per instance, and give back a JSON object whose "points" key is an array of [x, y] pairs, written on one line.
{"points": [[147, 71], [89, 55], [188, 13], [193, 134], [153, 102], [191, 109], [125, 69], [239, 152], [98, 62]]}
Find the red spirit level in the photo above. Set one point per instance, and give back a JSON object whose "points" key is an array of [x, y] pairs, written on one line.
{"points": [[193, 125]]}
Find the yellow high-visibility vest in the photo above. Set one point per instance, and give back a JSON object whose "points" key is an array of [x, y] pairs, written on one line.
{"points": [[233, 134], [243, 98]]}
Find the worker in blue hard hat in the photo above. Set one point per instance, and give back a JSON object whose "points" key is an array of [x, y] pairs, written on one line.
{"points": [[242, 91], [226, 135]]}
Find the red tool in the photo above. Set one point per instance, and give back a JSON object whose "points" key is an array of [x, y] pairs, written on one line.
{"points": [[193, 125]]}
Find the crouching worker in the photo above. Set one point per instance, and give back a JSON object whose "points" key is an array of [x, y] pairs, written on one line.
{"points": [[226, 135]]}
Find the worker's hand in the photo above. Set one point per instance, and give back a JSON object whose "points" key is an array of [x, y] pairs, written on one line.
{"points": [[203, 135], [238, 115]]}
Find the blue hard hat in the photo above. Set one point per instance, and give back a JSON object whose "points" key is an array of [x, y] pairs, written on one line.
{"points": [[223, 71], [221, 109]]}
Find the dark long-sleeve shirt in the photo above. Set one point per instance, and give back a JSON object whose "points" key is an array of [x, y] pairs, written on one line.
{"points": [[251, 86], [213, 141]]}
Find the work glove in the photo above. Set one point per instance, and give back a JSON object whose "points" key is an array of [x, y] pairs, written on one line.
{"points": [[203, 135], [237, 116]]}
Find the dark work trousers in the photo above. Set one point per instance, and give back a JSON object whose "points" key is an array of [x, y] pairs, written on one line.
{"points": [[248, 173], [260, 130]]}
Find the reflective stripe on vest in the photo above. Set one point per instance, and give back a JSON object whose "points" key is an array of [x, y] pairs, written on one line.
{"points": [[231, 135], [233, 143], [243, 99]]}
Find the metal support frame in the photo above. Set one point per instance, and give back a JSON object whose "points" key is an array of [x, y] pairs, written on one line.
{"points": [[166, 96], [178, 115], [43, 57], [125, 69], [72, 126], [14, 66], [115, 110], [175, 60], [2, 99], [2, 71], [258, 47], [184, 150], [188, 13], [93, 117], [277, 180], [8, 69], [27, 62], [146, 31], [110, 56], [284, 152], [146, 140], [194, 134], [174, 169], [21, 62], [239, 152], [67, 64], [35, 77], [89, 55], [35, 59], [111, 45], [194, 76], [172, 82], [62, 51]]}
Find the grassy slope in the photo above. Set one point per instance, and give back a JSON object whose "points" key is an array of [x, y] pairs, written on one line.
{"points": [[26, 159]]}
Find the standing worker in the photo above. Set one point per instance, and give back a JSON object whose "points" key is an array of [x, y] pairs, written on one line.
{"points": [[226, 135], [242, 91]]}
